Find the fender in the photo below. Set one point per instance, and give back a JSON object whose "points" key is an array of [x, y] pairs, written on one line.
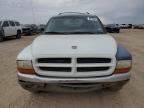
{"points": [[25, 54], [122, 53]]}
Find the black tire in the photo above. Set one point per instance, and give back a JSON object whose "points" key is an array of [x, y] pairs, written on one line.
{"points": [[18, 36], [30, 89], [117, 31], [117, 87], [34, 91], [30, 33], [1, 38]]}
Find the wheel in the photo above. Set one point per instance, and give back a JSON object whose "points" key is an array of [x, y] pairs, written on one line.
{"points": [[30, 88], [1, 39], [117, 31], [18, 36], [115, 87], [30, 33], [34, 91]]}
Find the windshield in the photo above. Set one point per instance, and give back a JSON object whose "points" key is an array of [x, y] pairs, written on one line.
{"points": [[0, 23], [74, 25]]}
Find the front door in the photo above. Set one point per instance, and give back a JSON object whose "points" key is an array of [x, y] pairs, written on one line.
{"points": [[6, 28]]}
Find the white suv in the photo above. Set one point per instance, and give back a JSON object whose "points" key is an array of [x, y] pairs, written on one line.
{"points": [[74, 53], [10, 28]]}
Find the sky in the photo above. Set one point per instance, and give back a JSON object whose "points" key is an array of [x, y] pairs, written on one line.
{"points": [[39, 11]]}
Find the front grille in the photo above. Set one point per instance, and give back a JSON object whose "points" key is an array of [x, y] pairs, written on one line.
{"points": [[93, 60], [74, 66], [90, 69], [54, 60], [56, 69]]}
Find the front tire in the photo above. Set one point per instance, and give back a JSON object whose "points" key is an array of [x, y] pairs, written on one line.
{"points": [[115, 88], [117, 31], [18, 36], [30, 33], [1, 39]]}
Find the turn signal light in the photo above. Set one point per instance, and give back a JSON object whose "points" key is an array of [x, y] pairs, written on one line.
{"points": [[123, 66], [25, 67]]}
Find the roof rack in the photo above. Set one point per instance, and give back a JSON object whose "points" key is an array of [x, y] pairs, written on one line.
{"points": [[72, 13]]}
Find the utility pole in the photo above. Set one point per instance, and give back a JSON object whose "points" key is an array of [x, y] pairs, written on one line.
{"points": [[33, 14]]}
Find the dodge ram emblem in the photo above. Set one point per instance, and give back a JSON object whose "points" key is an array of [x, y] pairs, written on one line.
{"points": [[74, 47]]}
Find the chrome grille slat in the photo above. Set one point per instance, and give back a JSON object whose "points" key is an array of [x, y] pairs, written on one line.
{"points": [[53, 65], [91, 69], [54, 60], [94, 65], [74, 66], [93, 60], [56, 69]]}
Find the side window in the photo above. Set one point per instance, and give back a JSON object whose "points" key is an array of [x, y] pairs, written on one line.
{"points": [[17, 23], [12, 23], [5, 24]]}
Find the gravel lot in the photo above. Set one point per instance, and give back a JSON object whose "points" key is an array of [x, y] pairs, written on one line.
{"points": [[131, 96]]}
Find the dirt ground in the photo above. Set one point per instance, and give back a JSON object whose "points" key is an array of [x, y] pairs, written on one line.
{"points": [[131, 96]]}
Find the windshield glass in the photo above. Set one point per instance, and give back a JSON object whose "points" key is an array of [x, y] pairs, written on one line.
{"points": [[74, 24], [0, 23]]}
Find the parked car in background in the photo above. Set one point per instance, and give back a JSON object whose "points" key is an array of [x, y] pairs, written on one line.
{"points": [[138, 26], [112, 28], [75, 53], [130, 26], [124, 26], [10, 28], [41, 28], [34, 28], [26, 30], [29, 29]]}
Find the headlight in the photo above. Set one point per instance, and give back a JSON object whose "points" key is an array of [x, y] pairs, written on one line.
{"points": [[25, 67], [123, 66]]}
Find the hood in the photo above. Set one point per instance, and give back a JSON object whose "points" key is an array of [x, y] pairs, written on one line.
{"points": [[75, 45]]}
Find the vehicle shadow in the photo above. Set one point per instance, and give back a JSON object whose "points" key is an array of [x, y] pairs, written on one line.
{"points": [[10, 39], [99, 98]]}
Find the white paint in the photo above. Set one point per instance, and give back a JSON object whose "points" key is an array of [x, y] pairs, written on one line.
{"points": [[61, 46]]}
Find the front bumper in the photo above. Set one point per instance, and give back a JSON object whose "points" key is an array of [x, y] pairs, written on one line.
{"points": [[39, 83], [41, 79]]}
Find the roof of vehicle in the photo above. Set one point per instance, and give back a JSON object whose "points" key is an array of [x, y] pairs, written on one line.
{"points": [[75, 14], [8, 20]]}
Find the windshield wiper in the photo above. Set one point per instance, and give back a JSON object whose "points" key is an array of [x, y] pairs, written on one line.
{"points": [[82, 33]]}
